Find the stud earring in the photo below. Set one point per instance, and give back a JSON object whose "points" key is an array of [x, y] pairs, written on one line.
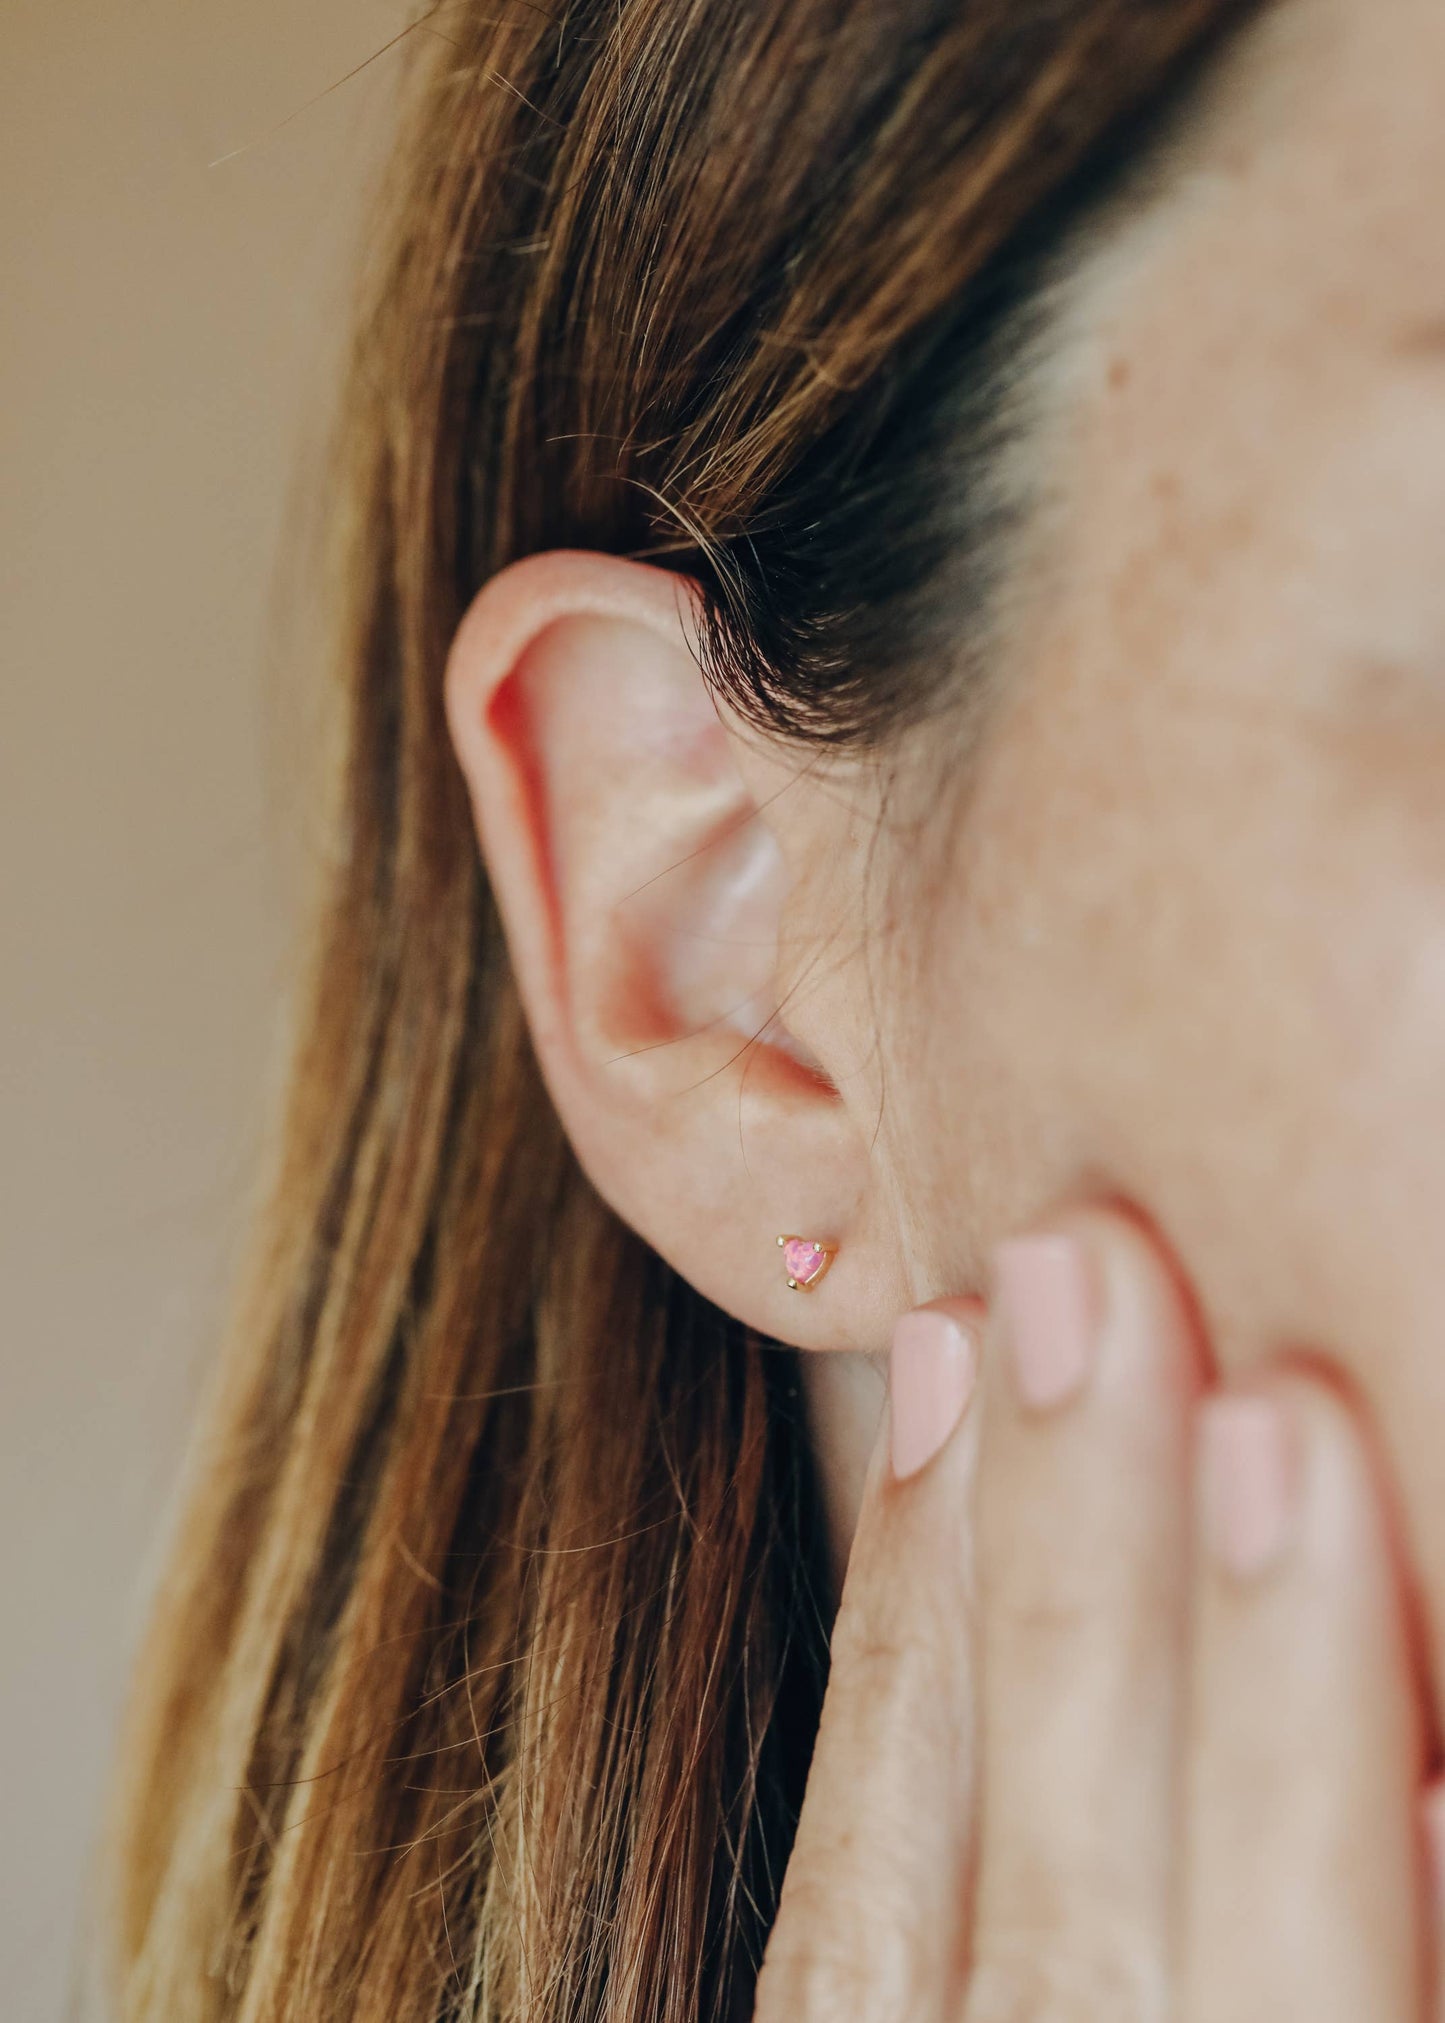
{"points": [[805, 1261]]}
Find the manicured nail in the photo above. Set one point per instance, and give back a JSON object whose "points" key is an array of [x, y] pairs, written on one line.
{"points": [[1049, 1303], [1246, 1483], [932, 1372], [1432, 1815]]}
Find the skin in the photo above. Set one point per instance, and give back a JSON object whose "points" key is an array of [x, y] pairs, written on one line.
{"points": [[1169, 933], [1210, 820], [1079, 1758]]}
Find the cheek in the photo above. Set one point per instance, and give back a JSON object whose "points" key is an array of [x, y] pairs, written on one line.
{"points": [[1212, 981], [1203, 962]]}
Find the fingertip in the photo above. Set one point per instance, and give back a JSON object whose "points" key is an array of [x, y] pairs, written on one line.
{"points": [[1431, 1813], [1248, 1474], [933, 1373], [1432, 1819], [1329, 1443], [1098, 1285]]}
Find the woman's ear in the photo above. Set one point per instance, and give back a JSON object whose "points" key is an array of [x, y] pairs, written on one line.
{"points": [[650, 861]]}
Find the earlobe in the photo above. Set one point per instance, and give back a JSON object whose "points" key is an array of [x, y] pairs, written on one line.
{"points": [[644, 893]]}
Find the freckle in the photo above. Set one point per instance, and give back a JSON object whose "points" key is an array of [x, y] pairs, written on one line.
{"points": [[1120, 373]]}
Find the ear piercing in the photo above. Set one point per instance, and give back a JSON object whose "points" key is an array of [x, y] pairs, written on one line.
{"points": [[805, 1260]]}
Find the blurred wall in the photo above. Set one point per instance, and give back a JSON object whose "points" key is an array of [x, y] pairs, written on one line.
{"points": [[168, 333]]}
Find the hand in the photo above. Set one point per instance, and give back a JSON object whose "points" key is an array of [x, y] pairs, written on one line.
{"points": [[1122, 1722]]}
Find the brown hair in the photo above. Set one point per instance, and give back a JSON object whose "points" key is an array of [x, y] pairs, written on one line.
{"points": [[485, 1676]]}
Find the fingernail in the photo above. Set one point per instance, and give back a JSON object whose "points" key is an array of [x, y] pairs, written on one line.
{"points": [[932, 1371], [1048, 1303], [1246, 1483]]}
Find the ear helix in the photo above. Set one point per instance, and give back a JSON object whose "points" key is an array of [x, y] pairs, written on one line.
{"points": [[805, 1260]]}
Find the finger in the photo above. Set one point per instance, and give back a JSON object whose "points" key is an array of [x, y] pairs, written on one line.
{"points": [[1432, 1823], [1083, 1531], [1303, 1889], [869, 1915]]}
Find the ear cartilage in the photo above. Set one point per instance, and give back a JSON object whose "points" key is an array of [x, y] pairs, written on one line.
{"points": [[805, 1260]]}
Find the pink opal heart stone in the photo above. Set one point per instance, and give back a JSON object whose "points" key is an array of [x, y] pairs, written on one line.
{"points": [[806, 1261]]}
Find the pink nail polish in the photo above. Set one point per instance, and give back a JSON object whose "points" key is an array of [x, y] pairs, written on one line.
{"points": [[1049, 1303], [1246, 1483], [932, 1372]]}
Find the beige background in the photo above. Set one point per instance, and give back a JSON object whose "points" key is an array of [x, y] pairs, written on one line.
{"points": [[167, 335]]}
